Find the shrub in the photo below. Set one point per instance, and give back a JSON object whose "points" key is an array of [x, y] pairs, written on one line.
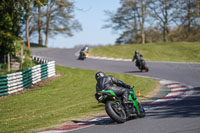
{"points": [[28, 62]]}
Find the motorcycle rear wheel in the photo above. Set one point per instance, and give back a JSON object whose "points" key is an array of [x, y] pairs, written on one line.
{"points": [[113, 111], [146, 69]]}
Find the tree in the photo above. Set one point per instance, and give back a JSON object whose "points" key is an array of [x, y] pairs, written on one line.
{"points": [[39, 19], [33, 12], [130, 20], [164, 12], [60, 19], [28, 17], [33, 22], [11, 19], [53, 17], [189, 14], [13, 16], [40, 39], [187, 18]]}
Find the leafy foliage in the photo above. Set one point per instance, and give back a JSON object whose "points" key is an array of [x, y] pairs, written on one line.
{"points": [[124, 21], [160, 20], [6, 43], [11, 18], [54, 17], [28, 62]]}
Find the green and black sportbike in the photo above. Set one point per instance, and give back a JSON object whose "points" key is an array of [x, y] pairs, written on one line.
{"points": [[115, 108]]}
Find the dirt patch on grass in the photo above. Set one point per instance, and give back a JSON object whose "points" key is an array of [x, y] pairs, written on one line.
{"points": [[151, 94], [42, 82]]}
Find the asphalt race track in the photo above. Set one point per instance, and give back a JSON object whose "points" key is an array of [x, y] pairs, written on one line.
{"points": [[181, 117]]}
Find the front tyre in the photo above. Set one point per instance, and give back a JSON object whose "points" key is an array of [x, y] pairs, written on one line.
{"points": [[142, 111], [115, 113]]}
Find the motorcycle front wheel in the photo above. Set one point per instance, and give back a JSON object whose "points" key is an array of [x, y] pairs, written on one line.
{"points": [[81, 57], [116, 114], [142, 111], [145, 67]]}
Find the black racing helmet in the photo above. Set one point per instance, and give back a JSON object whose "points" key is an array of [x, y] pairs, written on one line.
{"points": [[99, 75]]}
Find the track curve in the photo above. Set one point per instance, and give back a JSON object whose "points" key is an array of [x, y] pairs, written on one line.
{"points": [[183, 116]]}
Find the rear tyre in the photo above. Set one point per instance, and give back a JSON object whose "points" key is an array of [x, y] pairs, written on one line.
{"points": [[140, 69], [116, 114], [146, 69]]}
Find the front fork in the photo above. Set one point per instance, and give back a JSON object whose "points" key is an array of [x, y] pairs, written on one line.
{"points": [[133, 98]]}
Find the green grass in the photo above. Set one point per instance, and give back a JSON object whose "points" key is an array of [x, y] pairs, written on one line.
{"points": [[173, 52], [70, 95]]}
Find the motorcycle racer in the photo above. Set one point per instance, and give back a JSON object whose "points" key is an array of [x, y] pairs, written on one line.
{"points": [[111, 83], [137, 57]]}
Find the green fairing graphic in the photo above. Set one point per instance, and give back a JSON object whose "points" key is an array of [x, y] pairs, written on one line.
{"points": [[135, 102], [109, 91]]}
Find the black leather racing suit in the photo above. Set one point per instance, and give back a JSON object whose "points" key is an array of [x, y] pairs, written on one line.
{"points": [[138, 59], [117, 86], [85, 49]]}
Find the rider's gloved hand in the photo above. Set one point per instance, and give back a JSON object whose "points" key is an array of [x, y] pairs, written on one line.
{"points": [[129, 87]]}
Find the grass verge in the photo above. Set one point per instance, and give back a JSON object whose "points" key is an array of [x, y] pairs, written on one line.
{"points": [[70, 95], [175, 52]]}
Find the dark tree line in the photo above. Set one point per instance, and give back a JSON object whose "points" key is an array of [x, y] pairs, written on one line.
{"points": [[140, 21]]}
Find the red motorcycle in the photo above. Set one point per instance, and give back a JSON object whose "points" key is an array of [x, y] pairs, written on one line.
{"points": [[142, 66]]}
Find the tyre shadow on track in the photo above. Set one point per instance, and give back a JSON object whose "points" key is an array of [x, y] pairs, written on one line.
{"points": [[133, 72], [188, 107], [97, 121]]}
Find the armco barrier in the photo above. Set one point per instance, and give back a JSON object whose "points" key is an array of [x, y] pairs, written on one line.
{"points": [[15, 82]]}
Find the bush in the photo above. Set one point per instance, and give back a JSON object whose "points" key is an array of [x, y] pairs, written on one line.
{"points": [[6, 43], [28, 62], [3, 68]]}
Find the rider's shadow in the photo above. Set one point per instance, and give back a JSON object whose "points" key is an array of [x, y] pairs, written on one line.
{"points": [[133, 72]]}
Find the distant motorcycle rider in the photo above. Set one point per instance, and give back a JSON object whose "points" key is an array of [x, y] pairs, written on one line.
{"points": [[83, 52], [111, 83], [85, 49], [137, 57]]}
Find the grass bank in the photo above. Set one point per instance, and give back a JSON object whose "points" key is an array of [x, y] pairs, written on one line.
{"points": [[70, 95], [174, 52]]}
